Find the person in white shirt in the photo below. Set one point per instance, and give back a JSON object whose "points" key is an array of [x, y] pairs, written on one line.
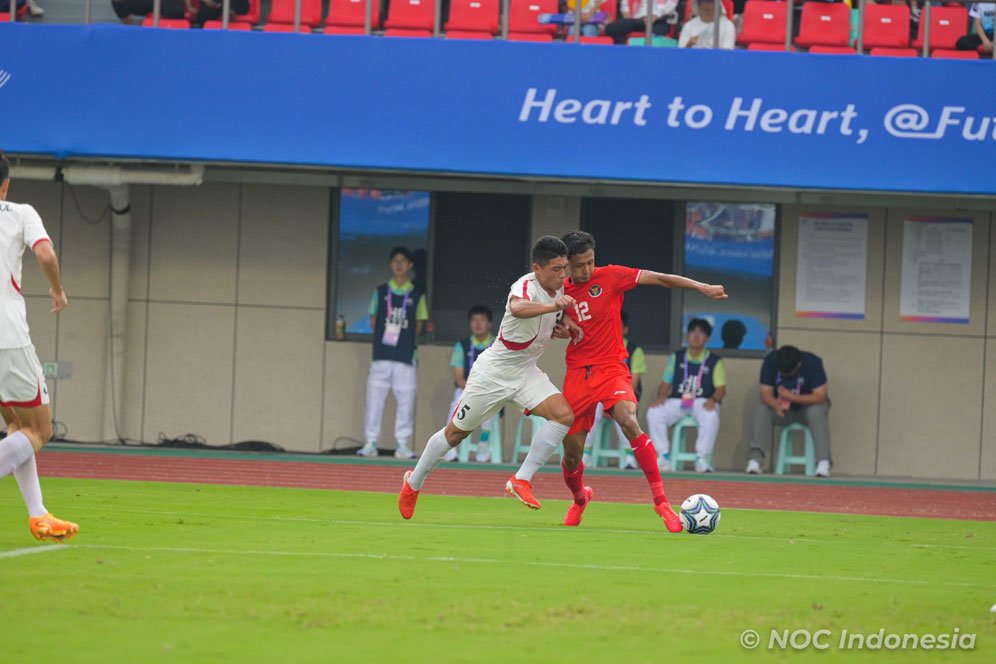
{"points": [[23, 393], [507, 373], [700, 32], [634, 20], [983, 19]]}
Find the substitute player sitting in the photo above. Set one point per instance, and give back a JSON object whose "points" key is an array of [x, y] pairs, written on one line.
{"points": [[23, 394], [507, 372], [596, 369]]}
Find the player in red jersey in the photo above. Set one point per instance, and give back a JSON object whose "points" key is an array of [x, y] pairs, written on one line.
{"points": [[596, 369]]}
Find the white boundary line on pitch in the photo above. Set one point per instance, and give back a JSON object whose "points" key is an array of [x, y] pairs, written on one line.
{"points": [[528, 563], [559, 529], [31, 550]]}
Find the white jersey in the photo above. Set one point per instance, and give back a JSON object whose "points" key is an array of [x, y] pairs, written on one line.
{"points": [[521, 341], [20, 228]]}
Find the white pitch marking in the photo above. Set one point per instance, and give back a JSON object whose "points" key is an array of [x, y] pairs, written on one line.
{"points": [[528, 563], [31, 550]]}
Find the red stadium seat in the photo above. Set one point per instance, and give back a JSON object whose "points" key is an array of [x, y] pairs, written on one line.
{"points": [[760, 46], [410, 15], [352, 14], [167, 23], [763, 23], [523, 17], [832, 50], [344, 30], [894, 52], [947, 26], [473, 16], [468, 34], [601, 39], [252, 16], [232, 25], [285, 27], [282, 11], [530, 36], [824, 24], [953, 54], [407, 32], [886, 26]]}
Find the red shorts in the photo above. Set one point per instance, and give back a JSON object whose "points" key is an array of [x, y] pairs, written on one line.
{"points": [[586, 387]]}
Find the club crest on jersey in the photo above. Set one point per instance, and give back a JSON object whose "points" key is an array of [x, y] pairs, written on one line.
{"points": [[595, 290]]}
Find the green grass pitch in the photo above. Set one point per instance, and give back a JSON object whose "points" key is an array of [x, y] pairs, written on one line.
{"points": [[194, 573]]}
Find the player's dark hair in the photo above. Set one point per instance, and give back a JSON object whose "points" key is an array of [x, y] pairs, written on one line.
{"points": [[700, 324], [733, 333], [4, 167], [480, 309], [625, 317], [547, 248], [404, 251], [787, 359], [578, 242]]}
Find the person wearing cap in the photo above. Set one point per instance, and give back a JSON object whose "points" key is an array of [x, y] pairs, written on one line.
{"points": [[700, 31]]}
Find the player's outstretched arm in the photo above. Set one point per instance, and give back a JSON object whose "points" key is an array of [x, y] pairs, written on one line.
{"points": [[650, 278], [523, 308], [49, 264]]}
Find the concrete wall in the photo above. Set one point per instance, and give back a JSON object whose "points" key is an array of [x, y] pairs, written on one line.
{"points": [[226, 333]]}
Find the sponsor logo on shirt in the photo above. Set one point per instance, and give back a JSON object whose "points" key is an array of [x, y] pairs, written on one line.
{"points": [[595, 290]]}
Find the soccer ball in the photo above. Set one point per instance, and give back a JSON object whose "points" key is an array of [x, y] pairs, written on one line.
{"points": [[700, 514]]}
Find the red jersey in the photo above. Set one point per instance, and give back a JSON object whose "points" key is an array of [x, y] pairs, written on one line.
{"points": [[598, 309]]}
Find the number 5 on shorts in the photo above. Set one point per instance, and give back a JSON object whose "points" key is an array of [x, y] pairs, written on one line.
{"points": [[462, 413]]}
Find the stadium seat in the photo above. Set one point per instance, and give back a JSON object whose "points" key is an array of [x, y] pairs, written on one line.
{"points": [[167, 23], [282, 11], [468, 34], [252, 16], [601, 39], [763, 23], [523, 18], [678, 454], [779, 48], [405, 17], [463, 453], [347, 15], [947, 26], [786, 458], [886, 26], [232, 25], [953, 54], [824, 24], [285, 27], [833, 50], [894, 52], [601, 447], [530, 36], [473, 16]]}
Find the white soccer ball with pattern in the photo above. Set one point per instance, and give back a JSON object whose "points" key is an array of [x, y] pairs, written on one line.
{"points": [[699, 514]]}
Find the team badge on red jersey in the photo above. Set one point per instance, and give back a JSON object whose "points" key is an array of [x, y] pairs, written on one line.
{"points": [[595, 290]]}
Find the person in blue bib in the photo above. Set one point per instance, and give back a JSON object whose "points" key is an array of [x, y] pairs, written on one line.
{"points": [[794, 388], [693, 385], [465, 353], [398, 313]]}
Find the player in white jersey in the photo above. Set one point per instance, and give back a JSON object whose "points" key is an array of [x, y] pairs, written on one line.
{"points": [[23, 394], [507, 372]]}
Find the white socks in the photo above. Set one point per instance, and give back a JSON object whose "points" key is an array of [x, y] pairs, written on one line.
{"points": [[15, 449], [545, 442], [432, 455], [27, 481]]}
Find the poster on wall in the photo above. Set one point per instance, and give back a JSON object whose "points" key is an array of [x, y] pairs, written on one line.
{"points": [[831, 270], [937, 270]]}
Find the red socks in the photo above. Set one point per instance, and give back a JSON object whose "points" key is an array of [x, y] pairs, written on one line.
{"points": [[574, 479], [646, 456]]}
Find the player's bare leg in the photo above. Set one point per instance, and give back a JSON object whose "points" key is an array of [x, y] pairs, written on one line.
{"points": [[35, 426], [624, 412], [573, 468], [439, 444], [546, 440]]}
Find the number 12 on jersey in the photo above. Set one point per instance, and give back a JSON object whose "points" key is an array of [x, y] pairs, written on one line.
{"points": [[581, 309]]}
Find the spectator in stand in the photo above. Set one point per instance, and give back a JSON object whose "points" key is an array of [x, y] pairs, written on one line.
{"points": [[663, 12], [983, 15], [588, 9], [733, 333], [195, 11], [700, 32], [465, 353]]}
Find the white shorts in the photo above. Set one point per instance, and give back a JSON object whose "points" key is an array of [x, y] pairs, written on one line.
{"points": [[484, 397], [22, 380]]}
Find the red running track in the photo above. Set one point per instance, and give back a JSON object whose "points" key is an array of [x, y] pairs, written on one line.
{"points": [[630, 488]]}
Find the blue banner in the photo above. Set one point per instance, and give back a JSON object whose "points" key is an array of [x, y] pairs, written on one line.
{"points": [[500, 108]]}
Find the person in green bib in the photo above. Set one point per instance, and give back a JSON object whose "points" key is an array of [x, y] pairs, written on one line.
{"points": [[693, 384], [465, 353]]}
